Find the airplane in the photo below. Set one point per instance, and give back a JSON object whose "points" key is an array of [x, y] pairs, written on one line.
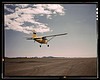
{"points": [[43, 39]]}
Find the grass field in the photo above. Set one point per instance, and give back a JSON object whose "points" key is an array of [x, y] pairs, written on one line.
{"points": [[51, 67]]}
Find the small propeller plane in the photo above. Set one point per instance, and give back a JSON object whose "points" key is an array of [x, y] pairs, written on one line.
{"points": [[42, 40]]}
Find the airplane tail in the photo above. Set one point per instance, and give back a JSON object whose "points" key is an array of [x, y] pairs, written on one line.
{"points": [[34, 34]]}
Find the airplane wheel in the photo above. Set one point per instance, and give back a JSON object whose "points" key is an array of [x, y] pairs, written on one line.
{"points": [[48, 45], [40, 45]]}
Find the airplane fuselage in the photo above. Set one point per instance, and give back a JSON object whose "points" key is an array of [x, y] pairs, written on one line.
{"points": [[42, 41]]}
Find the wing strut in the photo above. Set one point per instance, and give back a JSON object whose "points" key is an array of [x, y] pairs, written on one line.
{"points": [[50, 39]]}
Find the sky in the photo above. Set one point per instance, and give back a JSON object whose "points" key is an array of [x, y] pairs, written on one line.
{"points": [[78, 20]]}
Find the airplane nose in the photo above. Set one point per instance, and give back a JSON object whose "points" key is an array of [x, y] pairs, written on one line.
{"points": [[46, 41]]}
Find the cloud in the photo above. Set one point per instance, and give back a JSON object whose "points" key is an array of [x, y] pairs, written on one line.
{"points": [[21, 13], [49, 16], [8, 9]]}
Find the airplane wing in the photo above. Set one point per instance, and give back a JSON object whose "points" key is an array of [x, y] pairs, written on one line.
{"points": [[31, 38], [55, 35]]}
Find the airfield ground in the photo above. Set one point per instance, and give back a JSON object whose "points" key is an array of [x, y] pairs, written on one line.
{"points": [[51, 67]]}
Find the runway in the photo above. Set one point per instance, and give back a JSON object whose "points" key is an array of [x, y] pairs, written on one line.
{"points": [[51, 67]]}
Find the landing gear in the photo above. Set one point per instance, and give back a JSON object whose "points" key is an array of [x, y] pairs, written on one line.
{"points": [[47, 45], [41, 45]]}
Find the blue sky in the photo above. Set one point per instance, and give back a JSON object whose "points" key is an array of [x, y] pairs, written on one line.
{"points": [[78, 20]]}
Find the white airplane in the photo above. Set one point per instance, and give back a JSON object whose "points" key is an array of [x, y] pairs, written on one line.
{"points": [[42, 40]]}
